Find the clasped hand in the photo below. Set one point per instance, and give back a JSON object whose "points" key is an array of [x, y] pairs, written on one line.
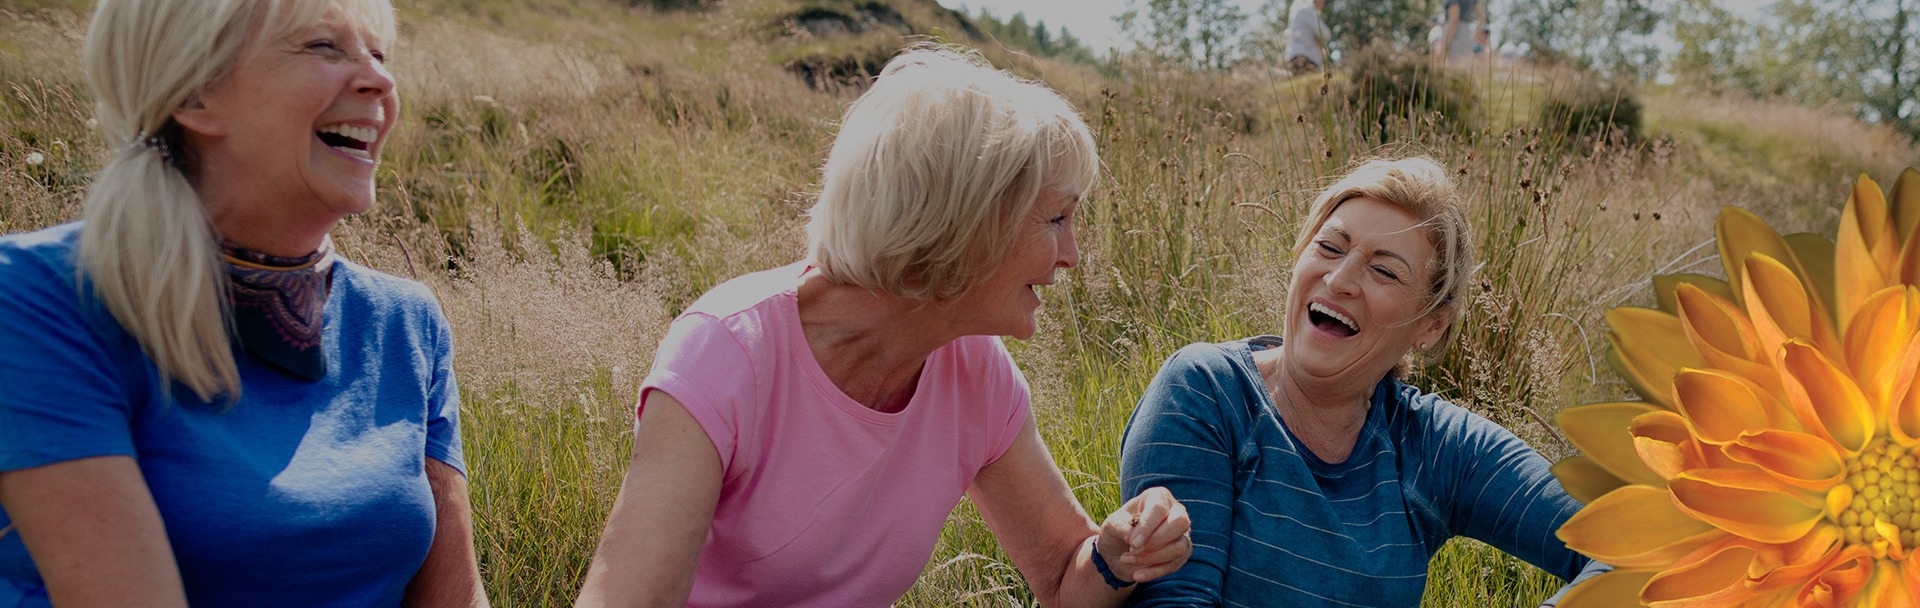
{"points": [[1147, 538]]}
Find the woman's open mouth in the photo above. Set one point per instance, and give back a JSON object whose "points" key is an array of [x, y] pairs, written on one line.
{"points": [[1331, 321]]}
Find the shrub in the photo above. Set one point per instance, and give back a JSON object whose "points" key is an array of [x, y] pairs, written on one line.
{"points": [[1586, 111], [1386, 86]]}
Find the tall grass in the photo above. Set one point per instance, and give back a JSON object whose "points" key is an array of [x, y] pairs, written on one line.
{"points": [[567, 177]]}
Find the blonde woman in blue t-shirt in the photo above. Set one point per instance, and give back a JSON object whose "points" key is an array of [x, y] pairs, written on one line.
{"points": [[199, 402]]}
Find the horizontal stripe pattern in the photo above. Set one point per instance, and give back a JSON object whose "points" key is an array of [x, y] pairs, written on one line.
{"points": [[1274, 525]]}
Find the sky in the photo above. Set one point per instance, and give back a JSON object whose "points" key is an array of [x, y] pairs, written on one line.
{"points": [[1090, 20]]}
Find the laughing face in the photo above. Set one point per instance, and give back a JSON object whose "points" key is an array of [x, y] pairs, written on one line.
{"points": [[296, 128], [1006, 302], [1354, 308]]}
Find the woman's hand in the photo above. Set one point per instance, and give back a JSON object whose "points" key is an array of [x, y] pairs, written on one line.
{"points": [[1146, 538]]}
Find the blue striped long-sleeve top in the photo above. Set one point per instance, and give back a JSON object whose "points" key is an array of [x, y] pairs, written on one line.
{"points": [[1274, 525]]}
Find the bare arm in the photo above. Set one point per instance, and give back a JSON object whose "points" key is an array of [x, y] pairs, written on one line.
{"points": [[1482, 34], [1446, 33], [1033, 513], [660, 519], [93, 531], [451, 575]]}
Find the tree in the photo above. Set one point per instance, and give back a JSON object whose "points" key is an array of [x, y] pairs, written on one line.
{"points": [[1859, 55], [1199, 33], [1611, 36], [1359, 24]]}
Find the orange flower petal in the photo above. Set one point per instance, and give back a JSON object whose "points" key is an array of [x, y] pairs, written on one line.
{"points": [[1905, 202], [1712, 578], [1826, 399], [1724, 337], [1601, 431], [1798, 459], [1749, 504], [1721, 406], [1636, 526], [1781, 310], [1816, 260], [1865, 254], [1584, 479], [1846, 578], [1904, 420], [1882, 328], [1649, 346], [1608, 590], [1665, 443], [1888, 588], [1738, 233], [1665, 284], [1792, 564]]}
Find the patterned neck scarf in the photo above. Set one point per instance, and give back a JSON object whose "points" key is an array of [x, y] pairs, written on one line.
{"points": [[277, 303]]}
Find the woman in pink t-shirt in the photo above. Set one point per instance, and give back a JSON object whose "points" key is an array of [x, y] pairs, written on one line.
{"points": [[806, 430]]}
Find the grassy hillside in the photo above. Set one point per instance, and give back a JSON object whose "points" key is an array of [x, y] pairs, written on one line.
{"points": [[569, 176]]}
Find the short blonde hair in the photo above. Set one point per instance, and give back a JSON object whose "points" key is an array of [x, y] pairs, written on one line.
{"points": [[148, 246], [933, 169], [1422, 188]]}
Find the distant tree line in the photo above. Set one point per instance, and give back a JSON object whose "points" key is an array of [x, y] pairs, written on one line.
{"points": [[1034, 38], [1860, 56]]}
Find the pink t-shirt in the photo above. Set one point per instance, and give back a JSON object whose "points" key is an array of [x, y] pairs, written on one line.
{"points": [[825, 502]]}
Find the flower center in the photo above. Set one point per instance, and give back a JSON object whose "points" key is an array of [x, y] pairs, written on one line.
{"points": [[1885, 484]]}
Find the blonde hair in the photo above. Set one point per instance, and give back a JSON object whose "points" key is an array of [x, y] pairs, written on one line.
{"points": [[148, 246], [1422, 188], [933, 168]]}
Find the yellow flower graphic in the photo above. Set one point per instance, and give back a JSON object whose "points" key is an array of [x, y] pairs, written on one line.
{"points": [[1775, 459]]}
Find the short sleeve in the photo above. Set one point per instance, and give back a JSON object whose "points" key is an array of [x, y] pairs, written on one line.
{"points": [[62, 394], [703, 366], [1493, 487], [1183, 436], [1018, 395], [443, 400]]}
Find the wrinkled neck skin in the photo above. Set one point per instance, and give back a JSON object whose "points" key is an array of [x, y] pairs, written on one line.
{"points": [[239, 216], [870, 344], [1324, 413]]}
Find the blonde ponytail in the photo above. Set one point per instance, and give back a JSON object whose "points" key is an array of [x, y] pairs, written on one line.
{"points": [[147, 245]]}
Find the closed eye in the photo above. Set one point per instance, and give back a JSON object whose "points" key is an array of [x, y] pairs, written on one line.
{"points": [[1329, 250], [1386, 273]]}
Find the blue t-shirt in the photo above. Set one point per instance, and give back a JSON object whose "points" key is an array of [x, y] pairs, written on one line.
{"points": [[303, 493], [1274, 525]]}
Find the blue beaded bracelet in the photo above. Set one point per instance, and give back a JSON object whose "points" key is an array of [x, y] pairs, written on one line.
{"points": [[1100, 563]]}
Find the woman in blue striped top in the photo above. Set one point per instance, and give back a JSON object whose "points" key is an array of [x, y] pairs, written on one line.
{"points": [[1313, 475]]}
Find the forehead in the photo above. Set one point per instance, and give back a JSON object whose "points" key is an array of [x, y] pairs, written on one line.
{"points": [[1385, 226], [373, 18]]}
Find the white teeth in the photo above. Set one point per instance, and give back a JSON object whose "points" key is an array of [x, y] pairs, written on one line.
{"points": [[363, 135], [1323, 309]]}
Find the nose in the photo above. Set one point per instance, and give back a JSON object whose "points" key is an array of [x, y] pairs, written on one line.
{"points": [[1342, 279], [373, 78], [1068, 252]]}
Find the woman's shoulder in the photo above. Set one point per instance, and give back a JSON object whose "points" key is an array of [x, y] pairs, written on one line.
{"points": [[381, 288], [747, 291], [1427, 413], [1234, 357], [46, 253]]}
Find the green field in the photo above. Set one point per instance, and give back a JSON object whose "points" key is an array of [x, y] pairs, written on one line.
{"points": [[567, 177]]}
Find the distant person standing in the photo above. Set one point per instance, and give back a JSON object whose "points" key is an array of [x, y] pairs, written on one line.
{"points": [[1459, 45], [1307, 37]]}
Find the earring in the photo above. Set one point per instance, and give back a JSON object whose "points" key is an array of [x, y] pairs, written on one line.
{"points": [[1423, 346]]}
